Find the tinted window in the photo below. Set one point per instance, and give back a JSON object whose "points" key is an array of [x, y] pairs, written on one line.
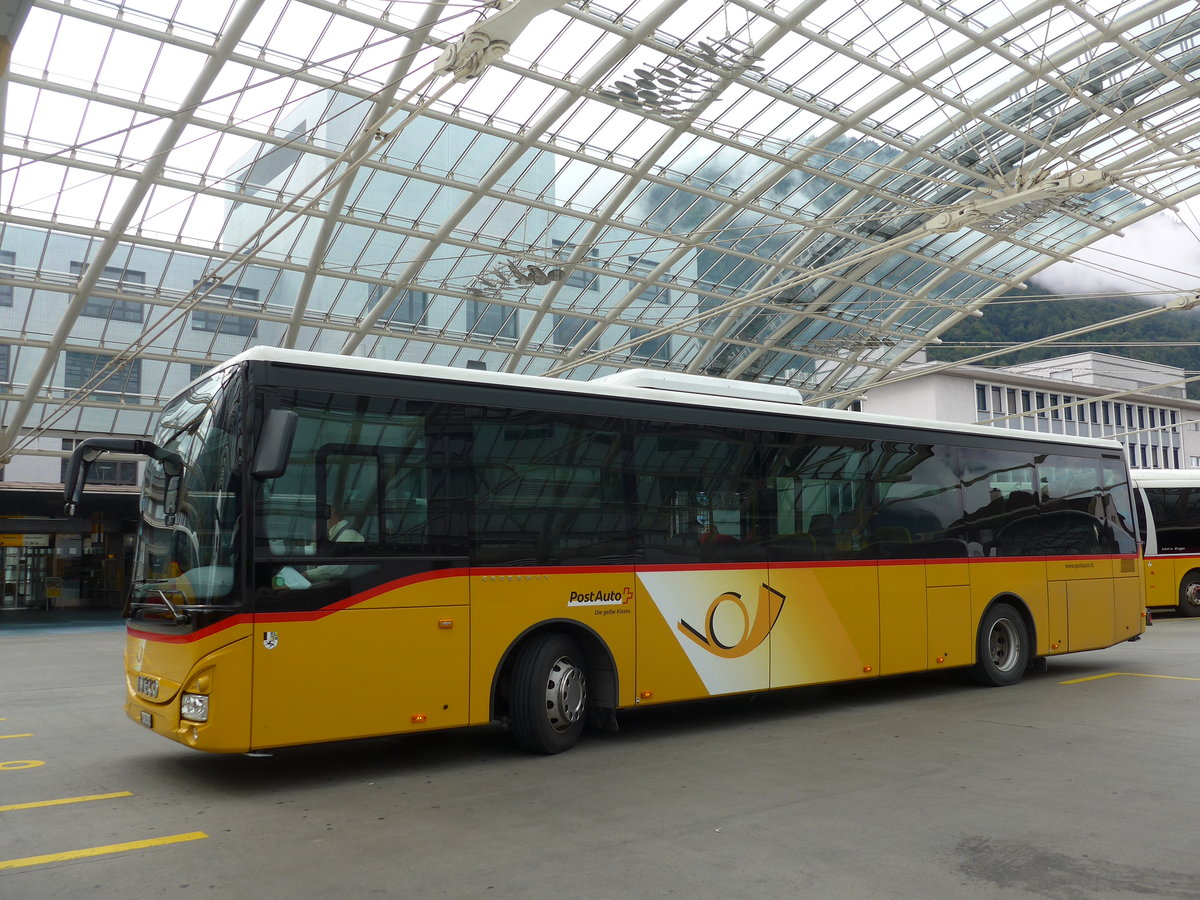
{"points": [[1176, 515], [697, 493], [368, 462], [823, 498], [1117, 511], [1072, 505], [919, 508], [549, 489], [999, 502]]}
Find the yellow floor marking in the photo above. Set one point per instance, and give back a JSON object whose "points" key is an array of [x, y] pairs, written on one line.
{"points": [[1130, 675], [6, 736], [101, 851], [63, 801]]}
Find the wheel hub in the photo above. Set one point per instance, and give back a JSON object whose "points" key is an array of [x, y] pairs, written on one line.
{"points": [[1191, 593], [1005, 645], [566, 694]]}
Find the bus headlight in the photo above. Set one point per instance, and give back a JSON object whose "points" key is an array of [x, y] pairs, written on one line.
{"points": [[194, 707]]}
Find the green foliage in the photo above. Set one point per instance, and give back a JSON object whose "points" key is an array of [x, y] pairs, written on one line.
{"points": [[1027, 315]]}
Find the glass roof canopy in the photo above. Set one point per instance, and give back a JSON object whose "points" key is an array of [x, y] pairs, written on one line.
{"points": [[804, 192]]}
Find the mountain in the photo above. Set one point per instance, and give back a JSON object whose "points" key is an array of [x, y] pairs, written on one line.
{"points": [[1171, 338]]}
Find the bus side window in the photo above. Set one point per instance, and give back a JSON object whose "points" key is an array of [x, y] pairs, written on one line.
{"points": [[1000, 511], [1116, 502], [697, 493]]}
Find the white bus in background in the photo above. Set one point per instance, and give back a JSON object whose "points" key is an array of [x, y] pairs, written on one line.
{"points": [[1168, 509]]}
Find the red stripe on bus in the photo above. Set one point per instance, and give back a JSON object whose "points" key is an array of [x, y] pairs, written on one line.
{"points": [[356, 599]]}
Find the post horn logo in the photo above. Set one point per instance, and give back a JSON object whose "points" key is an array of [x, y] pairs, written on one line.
{"points": [[770, 604]]}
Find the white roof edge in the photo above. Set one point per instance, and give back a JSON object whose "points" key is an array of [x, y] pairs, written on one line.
{"points": [[1166, 477], [680, 398]]}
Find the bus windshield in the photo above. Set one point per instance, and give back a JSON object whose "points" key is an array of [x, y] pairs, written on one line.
{"points": [[187, 543]]}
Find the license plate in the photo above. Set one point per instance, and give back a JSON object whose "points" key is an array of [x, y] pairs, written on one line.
{"points": [[147, 719], [147, 686]]}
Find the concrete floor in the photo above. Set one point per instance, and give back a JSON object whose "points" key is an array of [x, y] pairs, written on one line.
{"points": [[915, 787]]}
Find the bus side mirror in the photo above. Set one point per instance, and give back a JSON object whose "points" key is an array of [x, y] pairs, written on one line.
{"points": [[89, 450], [275, 443]]}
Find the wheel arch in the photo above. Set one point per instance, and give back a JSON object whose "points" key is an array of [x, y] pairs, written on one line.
{"points": [[601, 667]]}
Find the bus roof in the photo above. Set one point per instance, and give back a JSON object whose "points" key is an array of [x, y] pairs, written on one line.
{"points": [[664, 390], [1166, 478]]}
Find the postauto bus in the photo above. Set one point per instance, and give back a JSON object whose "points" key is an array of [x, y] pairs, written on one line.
{"points": [[1168, 510], [337, 548]]}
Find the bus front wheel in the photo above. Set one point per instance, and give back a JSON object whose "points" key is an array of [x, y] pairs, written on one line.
{"points": [[1002, 647], [548, 703], [1189, 595]]}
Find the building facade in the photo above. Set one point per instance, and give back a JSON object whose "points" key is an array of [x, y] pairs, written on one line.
{"points": [[1142, 405]]}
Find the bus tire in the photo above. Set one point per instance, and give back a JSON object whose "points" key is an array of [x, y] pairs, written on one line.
{"points": [[1001, 648], [548, 702], [1189, 595]]}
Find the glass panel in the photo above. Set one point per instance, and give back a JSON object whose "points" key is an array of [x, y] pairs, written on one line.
{"points": [[549, 490], [198, 545], [919, 513], [999, 502], [1176, 514], [698, 493], [823, 504]]}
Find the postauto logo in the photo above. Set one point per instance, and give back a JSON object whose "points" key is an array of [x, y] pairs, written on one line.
{"points": [[720, 638]]}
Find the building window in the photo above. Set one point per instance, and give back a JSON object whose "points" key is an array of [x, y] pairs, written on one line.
{"points": [[491, 319], [981, 396], [1117, 413], [1041, 404], [105, 470], [116, 279], [195, 370], [576, 277], [406, 311], [222, 319], [566, 330], [1054, 404], [1174, 423], [1026, 402], [122, 384], [8, 261], [5, 350]]}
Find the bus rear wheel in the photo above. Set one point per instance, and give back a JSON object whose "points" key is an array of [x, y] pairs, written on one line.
{"points": [[548, 702], [1189, 595], [1002, 647]]}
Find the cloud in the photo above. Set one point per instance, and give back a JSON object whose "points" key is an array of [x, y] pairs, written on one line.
{"points": [[1157, 258]]}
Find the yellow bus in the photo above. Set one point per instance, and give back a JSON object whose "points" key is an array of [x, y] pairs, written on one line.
{"points": [[1168, 511], [335, 548]]}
